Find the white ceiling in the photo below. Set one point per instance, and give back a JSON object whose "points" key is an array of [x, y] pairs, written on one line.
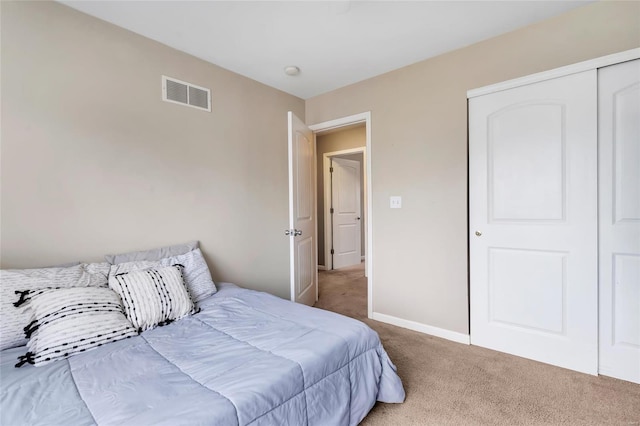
{"points": [[335, 43]]}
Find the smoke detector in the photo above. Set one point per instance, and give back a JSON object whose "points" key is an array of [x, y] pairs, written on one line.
{"points": [[291, 70]]}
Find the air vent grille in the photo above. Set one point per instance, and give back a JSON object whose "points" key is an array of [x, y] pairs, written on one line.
{"points": [[198, 97], [177, 92], [184, 93]]}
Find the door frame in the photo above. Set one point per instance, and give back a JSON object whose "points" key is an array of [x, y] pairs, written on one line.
{"points": [[364, 117], [326, 188]]}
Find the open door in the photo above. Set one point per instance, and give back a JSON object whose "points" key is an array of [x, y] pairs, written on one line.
{"points": [[302, 213]]}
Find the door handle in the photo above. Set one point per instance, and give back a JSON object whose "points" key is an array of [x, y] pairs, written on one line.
{"points": [[292, 232], [357, 218], [478, 233]]}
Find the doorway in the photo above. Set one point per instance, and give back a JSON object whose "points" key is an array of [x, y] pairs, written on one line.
{"points": [[359, 123], [341, 183], [343, 210]]}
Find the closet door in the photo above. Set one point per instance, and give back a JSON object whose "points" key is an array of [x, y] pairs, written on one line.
{"points": [[619, 161], [533, 221]]}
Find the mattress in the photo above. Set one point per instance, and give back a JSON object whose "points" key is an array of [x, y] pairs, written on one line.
{"points": [[247, 358]]}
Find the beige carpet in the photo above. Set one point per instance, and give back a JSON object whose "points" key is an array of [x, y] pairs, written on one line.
{"points": [[449, 383]]}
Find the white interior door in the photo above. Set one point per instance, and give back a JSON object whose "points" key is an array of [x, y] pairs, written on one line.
{"points": [[346, 217], [302, 219], [619, 215], [533, 221]]}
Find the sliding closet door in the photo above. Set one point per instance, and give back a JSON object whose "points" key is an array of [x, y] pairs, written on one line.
{"points": [[619, 145], [533, 221]]}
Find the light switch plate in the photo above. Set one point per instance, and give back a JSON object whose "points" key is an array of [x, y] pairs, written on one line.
{"points": [[395, 202]]}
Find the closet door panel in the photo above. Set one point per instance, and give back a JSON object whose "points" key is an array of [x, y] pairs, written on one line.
{"points": [[619, 220], [533, 221], [518, 147]]}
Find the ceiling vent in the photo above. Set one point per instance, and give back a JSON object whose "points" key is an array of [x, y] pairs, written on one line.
{"points": [[183, 93]]}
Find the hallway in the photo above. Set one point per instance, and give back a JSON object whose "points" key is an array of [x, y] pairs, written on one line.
{"points": [[343, 291]]}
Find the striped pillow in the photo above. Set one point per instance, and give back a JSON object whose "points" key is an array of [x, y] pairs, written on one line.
{"points": [[15, 281], [67, 321], [197, 276], [153, 297]]}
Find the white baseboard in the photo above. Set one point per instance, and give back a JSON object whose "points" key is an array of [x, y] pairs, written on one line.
{"points": [[422, 328], [322, 268]]}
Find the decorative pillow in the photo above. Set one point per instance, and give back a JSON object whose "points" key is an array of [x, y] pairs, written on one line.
{"points": [[151, 255], [153, 297], [197, 277], [12, 281], [67, 321]]}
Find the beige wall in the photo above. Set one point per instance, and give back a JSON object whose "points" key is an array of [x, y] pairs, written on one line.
{"points": [[93, 162], [353, 137], [419, 151]]}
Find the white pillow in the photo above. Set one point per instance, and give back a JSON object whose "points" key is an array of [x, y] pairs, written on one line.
{"points": [[67, 321], [153, 254], [197, 277], [15, 281], [153, 297]]}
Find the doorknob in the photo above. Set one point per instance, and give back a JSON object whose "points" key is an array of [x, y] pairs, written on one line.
{"points": [[292, 232], [478, 233], [357, 218]]}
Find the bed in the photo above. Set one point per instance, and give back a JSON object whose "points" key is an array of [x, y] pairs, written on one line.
{"points": [[246, 358]]}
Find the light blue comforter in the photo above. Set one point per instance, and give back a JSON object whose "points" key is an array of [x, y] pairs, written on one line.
{"points": [[247, 358]]}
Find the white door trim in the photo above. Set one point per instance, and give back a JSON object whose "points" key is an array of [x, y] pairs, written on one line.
{"points": [[603, 61], [364, 117], [326, 187]]}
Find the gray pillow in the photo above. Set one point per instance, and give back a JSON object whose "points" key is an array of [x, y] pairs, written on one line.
{"points": [[64, 265], [152, 255]]}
